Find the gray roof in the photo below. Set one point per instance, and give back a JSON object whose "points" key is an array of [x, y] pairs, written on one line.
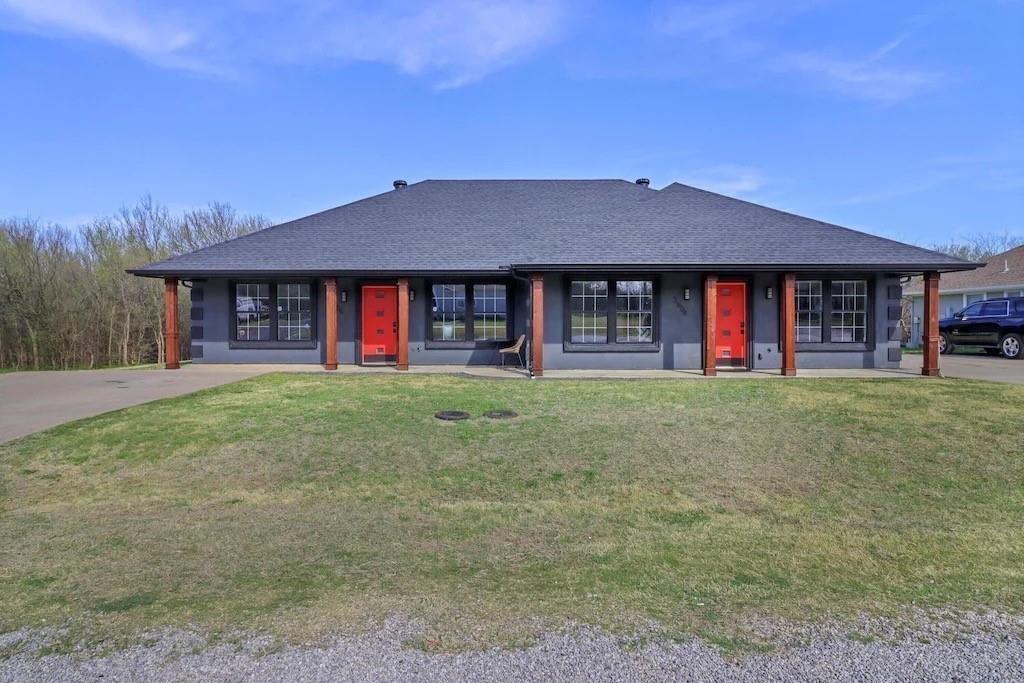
{"points": [[489, 225]]}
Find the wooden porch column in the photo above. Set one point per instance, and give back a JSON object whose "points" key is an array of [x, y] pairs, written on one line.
{"points": [[537, 324], [172, 354], [787, 323], [710, 305], [403, 324], [331, 313], [930, 365]]}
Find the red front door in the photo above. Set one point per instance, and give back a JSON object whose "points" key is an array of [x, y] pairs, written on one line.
{"points": [[731, 324], [380, 323]]}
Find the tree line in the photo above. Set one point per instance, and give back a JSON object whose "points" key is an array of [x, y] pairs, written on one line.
{"points": [[66, 300]]}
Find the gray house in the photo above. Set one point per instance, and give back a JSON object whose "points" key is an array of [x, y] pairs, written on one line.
{"points": [[594, 273]]}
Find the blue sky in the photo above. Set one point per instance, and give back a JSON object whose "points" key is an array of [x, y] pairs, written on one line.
{"points": [[900, 118]]}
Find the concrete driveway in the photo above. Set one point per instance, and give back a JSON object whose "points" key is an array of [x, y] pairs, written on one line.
{"points": [[973, 366], [32, 401]]}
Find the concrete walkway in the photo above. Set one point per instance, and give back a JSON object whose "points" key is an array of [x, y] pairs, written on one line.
{"points": [[32, 401], [973, 366]]}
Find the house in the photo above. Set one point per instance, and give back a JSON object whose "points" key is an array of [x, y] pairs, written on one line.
{"points": [[605, 274], [1003, 275]]}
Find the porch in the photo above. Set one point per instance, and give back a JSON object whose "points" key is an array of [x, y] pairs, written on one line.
{"points": [[677, 323]]}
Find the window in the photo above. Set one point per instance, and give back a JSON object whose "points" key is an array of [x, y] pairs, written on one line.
{"points": [[1018, 306], [490, 318], [841, 317], [808, 310], [619, 312], [449, 312], [294, 313], [589, 308], [634, 311], [252, 312], [470, 314], [274, 312], [994, 308], [973, 310], [849, 310]]}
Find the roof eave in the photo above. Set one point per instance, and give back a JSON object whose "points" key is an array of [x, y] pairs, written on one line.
{"points": [[900, 268]]}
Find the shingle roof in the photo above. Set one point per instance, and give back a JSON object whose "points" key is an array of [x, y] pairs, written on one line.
{"points": [[1002, 271], [487, 225]]}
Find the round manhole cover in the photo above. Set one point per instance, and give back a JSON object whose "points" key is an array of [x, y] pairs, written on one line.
{"points": [[501, 414], [451, 415]]}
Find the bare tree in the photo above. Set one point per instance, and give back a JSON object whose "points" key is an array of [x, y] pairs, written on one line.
{"points": [[979, 246], [65, 298]]}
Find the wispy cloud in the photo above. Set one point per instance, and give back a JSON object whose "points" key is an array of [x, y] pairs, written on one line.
{"points": [[868, 77], [729, 179], [737, 31], [995, 167], [451, 42], [161, 39]]}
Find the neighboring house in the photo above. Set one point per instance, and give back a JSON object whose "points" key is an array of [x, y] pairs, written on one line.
{"points": [[602, 274], [1002, 276]]}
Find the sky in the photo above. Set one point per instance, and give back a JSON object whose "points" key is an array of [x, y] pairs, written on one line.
{"points": [[905, 119]]}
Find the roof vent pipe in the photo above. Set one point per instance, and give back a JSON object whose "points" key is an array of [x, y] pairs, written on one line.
{"points": [[399, 184], [643, 181], [1006, 265]]}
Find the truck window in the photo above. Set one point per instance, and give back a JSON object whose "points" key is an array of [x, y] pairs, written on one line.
{"points": [[994, 308]]}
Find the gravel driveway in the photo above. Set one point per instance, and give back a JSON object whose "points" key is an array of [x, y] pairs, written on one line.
{"points": [[975, 647]]}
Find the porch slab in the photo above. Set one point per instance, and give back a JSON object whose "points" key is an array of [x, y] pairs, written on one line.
{"points": [[495, 372], [727, 374]]}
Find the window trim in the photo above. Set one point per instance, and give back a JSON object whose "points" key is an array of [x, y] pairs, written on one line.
{"points": [[826, 315], [274, 342], [612, 345], [1004, 314], [470, 343]]}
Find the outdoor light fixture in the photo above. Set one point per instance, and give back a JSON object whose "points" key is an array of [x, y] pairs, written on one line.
{"points": [[769, 293], [412, 294], [344, 296], [686, 293]]}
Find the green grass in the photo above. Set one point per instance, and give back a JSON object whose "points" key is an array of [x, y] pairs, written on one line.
{"points": [[306, 504]]}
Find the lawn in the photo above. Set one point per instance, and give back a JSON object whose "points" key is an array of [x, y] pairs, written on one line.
{"points": [[309, 504]]}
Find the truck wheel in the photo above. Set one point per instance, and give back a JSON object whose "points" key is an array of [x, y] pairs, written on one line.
{"points": [[1011, 346], [945, 346]]}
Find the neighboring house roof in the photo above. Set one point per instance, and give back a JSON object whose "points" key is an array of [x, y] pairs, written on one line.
{"points": [[1003, 271], [489, 225]]}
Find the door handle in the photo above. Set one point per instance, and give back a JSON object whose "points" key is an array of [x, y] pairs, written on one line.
{"points": [[743, 327], [394, 326]]}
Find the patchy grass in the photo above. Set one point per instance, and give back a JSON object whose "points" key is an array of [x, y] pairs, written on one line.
{"points": [[305, 504]]}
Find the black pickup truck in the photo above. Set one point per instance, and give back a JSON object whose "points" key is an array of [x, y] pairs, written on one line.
{"points": [[997, 325]]}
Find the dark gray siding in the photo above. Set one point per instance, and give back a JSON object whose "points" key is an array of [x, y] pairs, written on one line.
{"points": [[217, 331], [214, 327], [680, 329], [879, 357], [679, 323], [419, 309]]}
